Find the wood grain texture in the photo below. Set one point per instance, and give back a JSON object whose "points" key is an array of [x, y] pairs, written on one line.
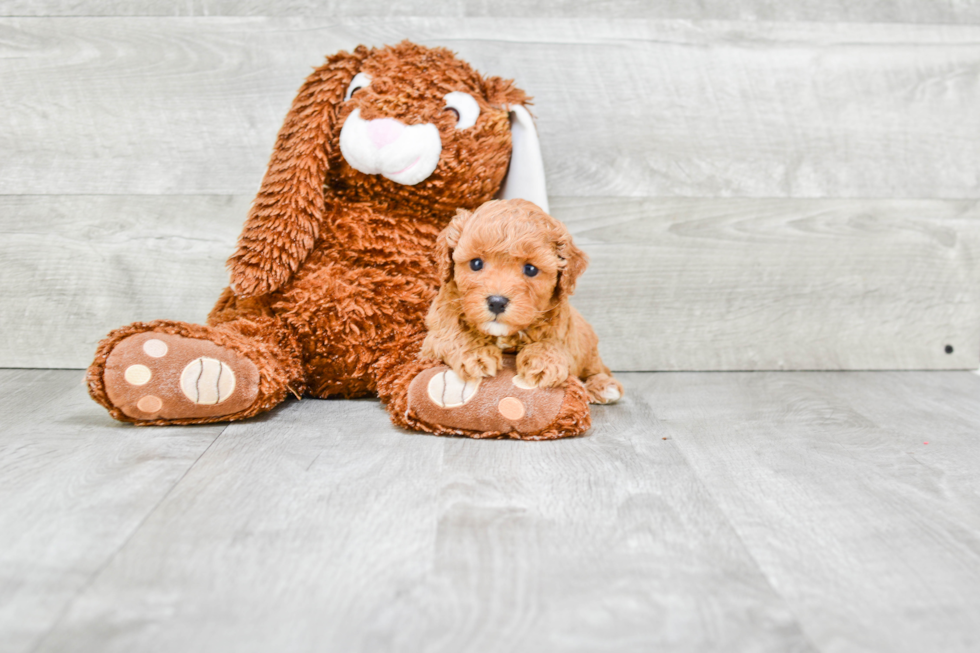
{"points": [[899, 11], [780, 284], [321, 527], [855, 492], [674, 284], [74, 486], [877, 11], [783, 512], [625, 107], [77, 266]]}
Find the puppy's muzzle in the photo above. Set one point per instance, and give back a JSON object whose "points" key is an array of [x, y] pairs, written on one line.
{"points": [[497, 304]]}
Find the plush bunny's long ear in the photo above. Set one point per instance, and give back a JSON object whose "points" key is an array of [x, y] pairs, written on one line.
{"points": [[525, 176], [285, 217]]}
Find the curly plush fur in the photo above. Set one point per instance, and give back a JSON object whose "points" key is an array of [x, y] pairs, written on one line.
{"points": [[334, 268], [333, 272], [513, 253]]}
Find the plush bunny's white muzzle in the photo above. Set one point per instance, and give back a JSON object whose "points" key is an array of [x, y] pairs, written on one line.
{"points": [[405, 154]]}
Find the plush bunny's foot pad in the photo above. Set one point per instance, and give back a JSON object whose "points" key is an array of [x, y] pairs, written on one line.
{"points": [[502, 406], [154, 376]]}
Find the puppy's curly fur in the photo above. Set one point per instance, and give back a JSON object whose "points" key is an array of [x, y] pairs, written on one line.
{"points": [[507, 270]]}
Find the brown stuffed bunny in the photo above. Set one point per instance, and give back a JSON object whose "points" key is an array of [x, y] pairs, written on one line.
{"points": [[334, 270]]}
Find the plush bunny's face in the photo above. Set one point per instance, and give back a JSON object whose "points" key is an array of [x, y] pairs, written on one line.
{"points": [[422, 128], [405, 154], [412, 130]]}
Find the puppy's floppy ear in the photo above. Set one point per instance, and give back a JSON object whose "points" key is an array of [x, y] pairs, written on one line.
{"points": [[575, 262], [284, 220], [446, 242], [525, 176]]}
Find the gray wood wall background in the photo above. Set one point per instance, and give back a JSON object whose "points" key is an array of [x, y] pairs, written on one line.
{"points": [[761, 185]]}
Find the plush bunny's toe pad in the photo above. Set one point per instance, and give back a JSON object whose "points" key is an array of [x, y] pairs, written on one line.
{"points": [[151, 376], [499, 406]]}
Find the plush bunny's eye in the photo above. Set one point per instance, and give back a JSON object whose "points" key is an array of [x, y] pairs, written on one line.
{"points": [[465, 108], [360, 81]]}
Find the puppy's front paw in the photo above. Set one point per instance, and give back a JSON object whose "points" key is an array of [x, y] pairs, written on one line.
{"points": [[603, 389], [543, 369], [480, 362]]}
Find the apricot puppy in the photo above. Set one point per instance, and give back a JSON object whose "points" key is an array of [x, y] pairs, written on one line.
{"points": [[508, 269]]}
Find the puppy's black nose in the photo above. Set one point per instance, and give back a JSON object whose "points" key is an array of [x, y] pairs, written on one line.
{"points": [[497, 304]]}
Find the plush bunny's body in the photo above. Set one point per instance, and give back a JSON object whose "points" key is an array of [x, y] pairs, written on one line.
{"points": [[334, 270]]}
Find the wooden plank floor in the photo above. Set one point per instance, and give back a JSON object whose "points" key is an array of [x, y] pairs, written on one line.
{"points": [[781, 511]]}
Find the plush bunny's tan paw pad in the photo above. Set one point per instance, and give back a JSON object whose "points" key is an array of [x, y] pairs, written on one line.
{"points": [[163, 376], [447, 390], [502, 404]]}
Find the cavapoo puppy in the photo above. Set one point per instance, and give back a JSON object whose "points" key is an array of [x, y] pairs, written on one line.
{"points": [[508, 269]]}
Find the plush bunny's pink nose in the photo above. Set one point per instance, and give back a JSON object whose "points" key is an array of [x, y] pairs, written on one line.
{"points": [[384, 131]]}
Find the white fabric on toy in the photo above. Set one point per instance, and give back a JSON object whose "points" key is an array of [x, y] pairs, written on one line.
{"points": [[525, 177], [406, 154], [465, 107]]}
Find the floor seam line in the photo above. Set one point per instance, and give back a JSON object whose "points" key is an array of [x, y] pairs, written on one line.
{"points": [[108, 561], [748, 551]]}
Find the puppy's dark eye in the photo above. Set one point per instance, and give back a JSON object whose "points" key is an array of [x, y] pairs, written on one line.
{"points": [[476, 264], [530, 270]]}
